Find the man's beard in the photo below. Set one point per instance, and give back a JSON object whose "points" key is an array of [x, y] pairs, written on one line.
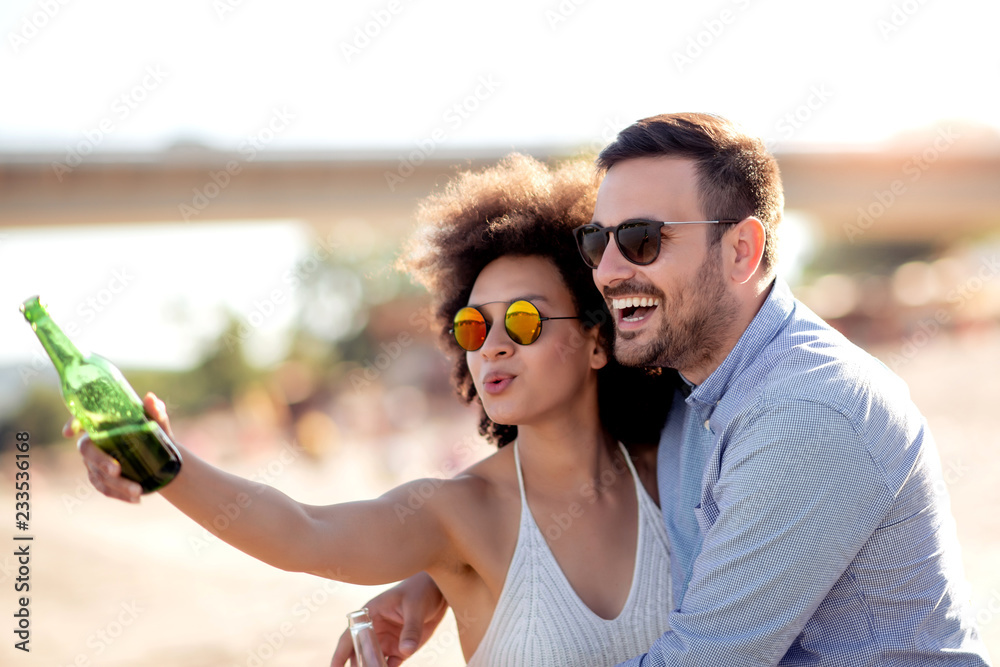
{"points": [[694, 323]]}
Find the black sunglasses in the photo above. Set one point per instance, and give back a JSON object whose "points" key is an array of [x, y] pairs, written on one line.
{"points": [[522, 321], [638, 240]]}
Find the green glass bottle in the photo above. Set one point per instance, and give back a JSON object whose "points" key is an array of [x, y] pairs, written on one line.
{"points": [[106, 406]]}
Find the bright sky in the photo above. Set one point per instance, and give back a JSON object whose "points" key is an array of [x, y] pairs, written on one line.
{"points": [[150, 295], [124, 75], [558, 70]]}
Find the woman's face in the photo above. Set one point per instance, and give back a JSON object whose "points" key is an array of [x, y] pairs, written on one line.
{"points": [[553, 377]]}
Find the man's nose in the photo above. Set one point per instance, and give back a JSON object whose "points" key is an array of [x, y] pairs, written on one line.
{"points": [[613, 267]]}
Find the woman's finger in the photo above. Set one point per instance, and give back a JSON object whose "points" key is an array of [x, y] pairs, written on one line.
{"points": [[344, 652], [94, 457], [71, 429], [157, 411], [104, 473]]}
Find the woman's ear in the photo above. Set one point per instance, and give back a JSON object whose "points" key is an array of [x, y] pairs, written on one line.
{"points": [[598, 348]]}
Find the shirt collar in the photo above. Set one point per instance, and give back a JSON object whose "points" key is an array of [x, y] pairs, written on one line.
{"points": [[766, 324]]}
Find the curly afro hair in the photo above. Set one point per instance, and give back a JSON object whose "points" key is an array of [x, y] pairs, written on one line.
{"points": [[521, 207]]}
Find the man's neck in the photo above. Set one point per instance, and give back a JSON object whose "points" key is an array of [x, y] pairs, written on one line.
{"points": [[751, 305]]}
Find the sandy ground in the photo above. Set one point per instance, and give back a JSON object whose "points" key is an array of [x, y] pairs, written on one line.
{"points": [[128, 586]]}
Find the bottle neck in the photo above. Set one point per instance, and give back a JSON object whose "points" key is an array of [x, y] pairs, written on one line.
{"points": [[359, 618], [367, 651], [59, 348]]}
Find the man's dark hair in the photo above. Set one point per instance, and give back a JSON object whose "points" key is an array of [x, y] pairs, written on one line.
{"points": [[737, 176], [521, 207]]}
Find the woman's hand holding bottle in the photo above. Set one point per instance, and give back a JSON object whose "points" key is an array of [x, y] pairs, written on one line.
{"points": [[104, 472]]}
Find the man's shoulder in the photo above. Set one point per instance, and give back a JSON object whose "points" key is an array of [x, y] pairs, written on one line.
{"points": [[811, 378], [809, 361]]}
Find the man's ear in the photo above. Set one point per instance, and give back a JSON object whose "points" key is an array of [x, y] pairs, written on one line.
{"points": [[745, 243]]}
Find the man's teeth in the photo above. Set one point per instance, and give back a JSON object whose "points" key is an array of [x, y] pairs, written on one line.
{"points": [[634, 302]]}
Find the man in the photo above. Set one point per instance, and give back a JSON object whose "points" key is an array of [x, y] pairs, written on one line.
{"points": [[800, 486]]}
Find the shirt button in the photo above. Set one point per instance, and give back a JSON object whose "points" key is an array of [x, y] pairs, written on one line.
{"points": [[707, 427]]}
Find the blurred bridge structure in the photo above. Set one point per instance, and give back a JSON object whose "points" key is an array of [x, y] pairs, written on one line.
{"points": [[933, 189]]}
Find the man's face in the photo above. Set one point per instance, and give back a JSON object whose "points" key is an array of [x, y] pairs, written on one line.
{"points": [[692, 307]]}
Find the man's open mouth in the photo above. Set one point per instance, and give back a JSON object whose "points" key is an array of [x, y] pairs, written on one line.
{"points": [[634, 308]]}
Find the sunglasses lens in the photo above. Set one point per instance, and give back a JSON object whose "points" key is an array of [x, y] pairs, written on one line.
{"points": [[638, 242], [523, 322], [470, 329], [592, 241]]}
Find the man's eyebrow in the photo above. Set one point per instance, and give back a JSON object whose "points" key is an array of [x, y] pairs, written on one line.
{"points": [[635, 218]]}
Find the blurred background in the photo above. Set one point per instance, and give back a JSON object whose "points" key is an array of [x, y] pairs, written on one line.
{"points": [[212, 193]]}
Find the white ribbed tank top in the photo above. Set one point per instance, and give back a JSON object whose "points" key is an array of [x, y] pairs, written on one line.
{"points": [[540, 621]]}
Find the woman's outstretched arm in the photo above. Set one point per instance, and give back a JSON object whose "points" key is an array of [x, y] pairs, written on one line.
{"points": [[366, 542]]}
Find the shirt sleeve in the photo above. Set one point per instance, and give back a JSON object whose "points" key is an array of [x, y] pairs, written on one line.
{"points": [[791, 497]]}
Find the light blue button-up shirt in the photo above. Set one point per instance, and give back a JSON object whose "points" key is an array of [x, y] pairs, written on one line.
{"points": [[808, 516]]}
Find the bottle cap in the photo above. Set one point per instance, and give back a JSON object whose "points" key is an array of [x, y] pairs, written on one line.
{"points": [[33, 310], [358, 617]]}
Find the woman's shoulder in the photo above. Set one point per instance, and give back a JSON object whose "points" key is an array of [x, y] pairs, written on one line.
{"points": [[474, 495], [480, 509], [491, 481]]}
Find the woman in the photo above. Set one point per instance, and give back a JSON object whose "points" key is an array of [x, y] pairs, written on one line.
{"points": [[550, 550]]}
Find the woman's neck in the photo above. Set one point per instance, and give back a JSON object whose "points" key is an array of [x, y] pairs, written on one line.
{"points": [[566, 456]]}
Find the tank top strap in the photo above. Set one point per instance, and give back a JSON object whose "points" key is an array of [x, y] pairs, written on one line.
{"points": [[628, 460], [520, 478], [642, 496]]}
